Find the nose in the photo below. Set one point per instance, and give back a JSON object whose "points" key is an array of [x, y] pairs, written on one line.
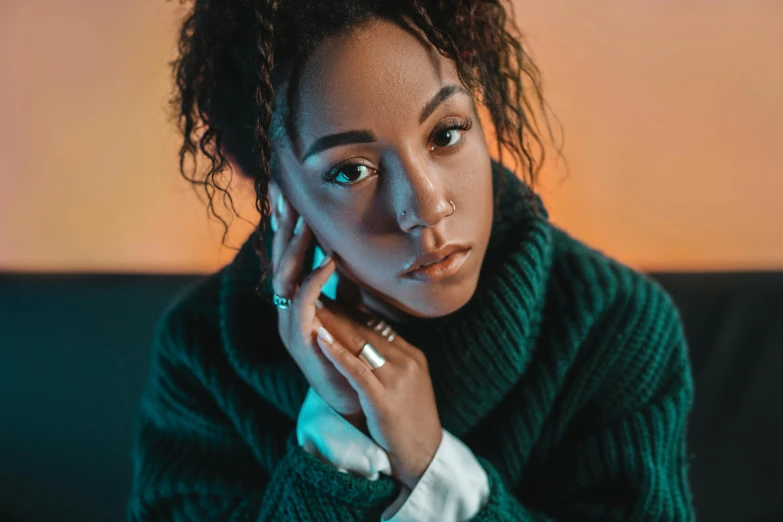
{"points": [[421, 201]]}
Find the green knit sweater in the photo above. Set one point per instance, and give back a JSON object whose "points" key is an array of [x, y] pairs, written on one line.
{"points": [[567, 374]]}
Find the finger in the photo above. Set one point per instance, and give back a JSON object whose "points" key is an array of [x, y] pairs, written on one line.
{"points": [[398, 342], [352, 335], [344, 329], [398, 349], [271, 200], [286, 220], [391, 350], [348, 293], [355, 371], [289, 269], [380, 327], [311, 288]]}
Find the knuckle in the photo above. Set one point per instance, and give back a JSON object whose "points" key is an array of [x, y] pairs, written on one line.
{"points": [[346, 356], [357, 341], [279, 277], [288, 278], [362, 372], [409, 365], [280, 285], [288, 268]]}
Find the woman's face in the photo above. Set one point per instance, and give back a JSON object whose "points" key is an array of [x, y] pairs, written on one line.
{"points": [[380, 155]]}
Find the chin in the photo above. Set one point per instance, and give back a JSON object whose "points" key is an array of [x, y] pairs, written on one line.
{"points": [[440, 302]]}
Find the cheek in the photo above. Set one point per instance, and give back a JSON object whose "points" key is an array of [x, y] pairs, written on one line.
{"points": [[363, 260], [346, 239], [474, 187]]}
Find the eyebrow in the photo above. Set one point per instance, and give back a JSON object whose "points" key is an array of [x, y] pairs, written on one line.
{"points": [[365, 136]]}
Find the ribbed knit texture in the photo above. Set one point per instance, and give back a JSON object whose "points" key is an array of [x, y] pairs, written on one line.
{"points": [[567, 374]]}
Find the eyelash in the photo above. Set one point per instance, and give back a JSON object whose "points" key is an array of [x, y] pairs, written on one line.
{"points": [[330, 176]]}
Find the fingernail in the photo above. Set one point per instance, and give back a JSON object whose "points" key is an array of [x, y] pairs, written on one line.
{"points": [[274, 223], [280, 205], [325, 335], [325, 261], [319, 304], [299, 225]]}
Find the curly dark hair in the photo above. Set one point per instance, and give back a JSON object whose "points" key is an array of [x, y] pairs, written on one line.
{"points": [[234, 55]]}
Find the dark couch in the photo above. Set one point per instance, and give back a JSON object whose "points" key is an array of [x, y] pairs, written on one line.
{"points": [[74, 352]]}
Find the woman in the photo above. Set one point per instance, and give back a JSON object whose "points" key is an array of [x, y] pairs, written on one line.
{"points": [[454, 356]]}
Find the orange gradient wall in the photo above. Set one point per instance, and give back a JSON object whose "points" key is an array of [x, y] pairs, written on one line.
{"points": [[672, 113]]}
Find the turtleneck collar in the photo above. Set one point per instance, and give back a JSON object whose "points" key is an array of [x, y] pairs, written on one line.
{"points": [[475, 354]]}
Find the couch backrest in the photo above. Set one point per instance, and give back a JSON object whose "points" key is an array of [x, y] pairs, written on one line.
{"points": [[74, 354], [734, 325]]}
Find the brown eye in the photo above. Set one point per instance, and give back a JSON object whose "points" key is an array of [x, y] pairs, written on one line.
{"points": [[444, 138], [450, 134]]}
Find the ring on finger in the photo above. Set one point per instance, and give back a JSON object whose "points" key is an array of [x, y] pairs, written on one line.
{"points": [[380, 326], [281, 302], [372, 322], [371, 356]]}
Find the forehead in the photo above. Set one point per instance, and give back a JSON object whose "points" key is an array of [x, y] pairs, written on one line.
{"points": [[380, 75]]}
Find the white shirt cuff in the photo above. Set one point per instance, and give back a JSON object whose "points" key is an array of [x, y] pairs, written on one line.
{"points": [[322, 431], [454, 488]]}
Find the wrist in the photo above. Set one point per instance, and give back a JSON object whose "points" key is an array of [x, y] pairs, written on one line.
{"points": [[409, 478], [409, 473]]}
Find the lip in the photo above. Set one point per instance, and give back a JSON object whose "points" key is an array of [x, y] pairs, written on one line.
{"points": [[446, 267], [436, 255]]}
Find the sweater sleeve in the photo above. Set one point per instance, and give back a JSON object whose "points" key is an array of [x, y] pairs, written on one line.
{"points": [[633, 464], [323, 432], [452, 488], [190, 463]]}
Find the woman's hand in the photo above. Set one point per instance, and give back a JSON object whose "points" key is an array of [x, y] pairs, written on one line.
{"points": [[298, 324], [397, 399]]}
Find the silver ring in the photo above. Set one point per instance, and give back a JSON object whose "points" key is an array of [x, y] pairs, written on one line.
{"points": [[281, 302], [371, 356], [380, 326]]}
